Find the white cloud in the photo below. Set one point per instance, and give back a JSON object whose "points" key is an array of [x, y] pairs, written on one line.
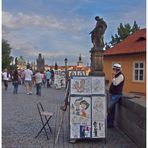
{"points": [[20, 20]]}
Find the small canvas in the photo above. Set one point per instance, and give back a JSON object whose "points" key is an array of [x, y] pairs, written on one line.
{"points": [[98, 107], [98, 85], [98, 116], [75, 130], [98, 129], [81, 85], [80, 114]]}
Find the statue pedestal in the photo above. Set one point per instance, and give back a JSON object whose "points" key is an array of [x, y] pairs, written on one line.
{"points": [[96, 62]]}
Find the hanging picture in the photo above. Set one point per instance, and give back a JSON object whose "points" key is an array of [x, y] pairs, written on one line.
{"points": [[80, 114], [98, 116], [59, 79], [98, 85], [81, 85], [98, 107], [75, 130], [85, 131], [98, 129]]}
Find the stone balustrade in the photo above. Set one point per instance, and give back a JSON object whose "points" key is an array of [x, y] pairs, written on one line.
{"points": [[131, 118]]}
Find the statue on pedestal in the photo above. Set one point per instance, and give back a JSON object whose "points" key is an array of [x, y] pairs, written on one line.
{"points": [[97, 34], [40, 63], [98, 45]]}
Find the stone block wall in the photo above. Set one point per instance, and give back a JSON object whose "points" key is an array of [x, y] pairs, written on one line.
{"points": [[131, 118]]}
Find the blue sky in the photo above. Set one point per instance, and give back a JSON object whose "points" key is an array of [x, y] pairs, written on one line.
{"points": [[60, 28]]}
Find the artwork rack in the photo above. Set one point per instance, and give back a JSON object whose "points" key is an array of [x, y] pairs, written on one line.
{"points": [[88, 109]]}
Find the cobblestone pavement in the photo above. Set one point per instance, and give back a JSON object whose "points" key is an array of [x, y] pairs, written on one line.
{"points": [[21, 122]]}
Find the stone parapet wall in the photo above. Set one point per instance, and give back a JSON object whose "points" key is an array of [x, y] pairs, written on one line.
{"points": [[131, 118]]}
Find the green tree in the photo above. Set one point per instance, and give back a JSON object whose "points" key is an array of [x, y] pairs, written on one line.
{"points": [[6, 50], [123, 31]]}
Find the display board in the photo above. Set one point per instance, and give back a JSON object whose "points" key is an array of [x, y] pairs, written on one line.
{"points": [[87, 107], [59, 79]]}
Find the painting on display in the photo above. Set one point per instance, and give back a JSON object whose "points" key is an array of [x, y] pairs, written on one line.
{"points": [[98, 107], [81, 85], [98, 116], [98, 85], [98, 129], [59, 79], [80, 117]]}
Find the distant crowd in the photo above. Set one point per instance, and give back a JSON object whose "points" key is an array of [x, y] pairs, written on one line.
{"points": [[28, 78]]}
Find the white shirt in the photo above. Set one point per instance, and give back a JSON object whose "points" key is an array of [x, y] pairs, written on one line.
{"points": [[28, 74], [5, 76], [118, 80], [38, 78]]}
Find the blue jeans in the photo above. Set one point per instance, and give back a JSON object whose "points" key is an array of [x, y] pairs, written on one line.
{"points": [[38, 89], [114, 99], [15, 87]]}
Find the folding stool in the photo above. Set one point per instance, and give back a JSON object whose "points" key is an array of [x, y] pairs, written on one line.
{"points": [[45, 117]]}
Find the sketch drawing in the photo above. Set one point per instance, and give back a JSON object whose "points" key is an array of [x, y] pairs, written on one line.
{"points": [[98, 85], [80, 110], [95, 129], [98, 107], [85, 131], [75, 131], [81, 85], [98, 129]]}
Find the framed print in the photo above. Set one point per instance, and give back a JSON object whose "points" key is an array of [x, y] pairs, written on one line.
{"points": [[98, 108], [98, 85], [81, 85], [98, 129], [98, 116], [80, 117]]}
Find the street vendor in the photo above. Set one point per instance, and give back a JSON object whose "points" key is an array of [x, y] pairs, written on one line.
{"points": [[115, 91]]}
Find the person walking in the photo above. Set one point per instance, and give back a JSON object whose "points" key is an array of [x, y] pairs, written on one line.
{"points": [[15, 81], [44, 78], [6, 76], [28, 80], [48, 77], [115, 91], [38, 81], [52, 76]]}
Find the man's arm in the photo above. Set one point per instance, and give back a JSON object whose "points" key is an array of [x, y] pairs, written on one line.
{"points": [[118, 80]]}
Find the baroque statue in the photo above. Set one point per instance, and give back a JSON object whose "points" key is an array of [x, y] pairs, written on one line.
{"points": [[97, 34], [40, 63]]}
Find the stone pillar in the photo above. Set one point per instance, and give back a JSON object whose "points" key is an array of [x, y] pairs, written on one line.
{"points": [[96, 62]]}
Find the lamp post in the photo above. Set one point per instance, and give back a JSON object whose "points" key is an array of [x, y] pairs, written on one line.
{"points": [[66, 73]]}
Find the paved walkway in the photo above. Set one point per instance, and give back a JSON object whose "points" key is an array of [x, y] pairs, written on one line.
{"points": [[21, 122]]}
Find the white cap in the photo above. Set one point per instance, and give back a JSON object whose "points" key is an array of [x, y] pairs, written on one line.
{"points": [[116, 66]]}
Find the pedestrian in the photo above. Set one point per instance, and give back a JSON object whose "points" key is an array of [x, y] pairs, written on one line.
{"points": [[44, 78], [115, 92], [48, 77], [6, 76], [38, 81], [22, 77], [15, 81], [33, 78], [28, 80], [52, 76]]}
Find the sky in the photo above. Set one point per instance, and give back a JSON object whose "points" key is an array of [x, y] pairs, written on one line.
{"points": [[59, 29]]}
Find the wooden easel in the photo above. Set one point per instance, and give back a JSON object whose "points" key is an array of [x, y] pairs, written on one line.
{"points": [[62, 111]]}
